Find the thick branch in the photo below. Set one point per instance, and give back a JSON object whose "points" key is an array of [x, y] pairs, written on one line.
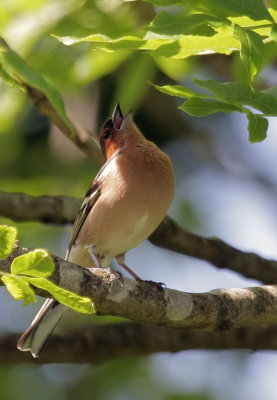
{"points": [[51, 209], [144, 302], [63, 209], [99, 343]]}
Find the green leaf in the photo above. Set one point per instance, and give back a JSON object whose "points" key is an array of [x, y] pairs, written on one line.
{"points": [[272, 91], [273, 32], [257, 127], [36, 263], [199, 107], [19, 289], [105, 42], [166, 24], [7, 240], [180, 91], [191, 45], [165, 3], [254, 9], [239, 93], [186, 46], [70, 299], [262, 27], [20, 71], [251, 52]]}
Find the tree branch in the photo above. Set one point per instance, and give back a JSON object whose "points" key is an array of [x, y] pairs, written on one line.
{"points": [[63, 209], [144, 302], [48, 209], [99, 343], [170, 236], [85, 141]]}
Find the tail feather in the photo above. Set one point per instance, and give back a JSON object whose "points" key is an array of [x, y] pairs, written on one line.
{"points": [[36, 336]]}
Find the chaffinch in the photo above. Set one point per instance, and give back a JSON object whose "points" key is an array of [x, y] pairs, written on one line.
{"points": [[126, 202]]}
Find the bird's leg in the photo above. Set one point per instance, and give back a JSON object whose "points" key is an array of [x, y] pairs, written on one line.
{"points": [[120, 259], [94, 257]]}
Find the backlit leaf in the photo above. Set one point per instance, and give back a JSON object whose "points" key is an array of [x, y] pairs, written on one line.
{"points": [[70, 299], [170, 24], [20, 72], [199, 107], [19, 289], [251, 51], [254, 9], [36, 263], [7, 240], [176, 48], [180, 91]]}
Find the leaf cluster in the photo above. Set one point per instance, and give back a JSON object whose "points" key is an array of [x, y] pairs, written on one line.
{"points": [[33, 268], [208, 27], [177, 32]]}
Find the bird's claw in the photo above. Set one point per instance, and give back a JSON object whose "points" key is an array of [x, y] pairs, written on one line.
{"points": [[158, 285], [107, 274]]}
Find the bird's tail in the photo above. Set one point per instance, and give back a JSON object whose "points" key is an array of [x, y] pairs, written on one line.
{"points": [[36, 336]]}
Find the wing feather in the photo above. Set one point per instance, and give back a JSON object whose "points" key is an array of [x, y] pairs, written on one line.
{"points": [[90, 199]]}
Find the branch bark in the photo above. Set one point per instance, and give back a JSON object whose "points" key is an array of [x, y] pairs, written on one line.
{"points": [[144, 302], [99, 343], [47, 209], [63, 209]]}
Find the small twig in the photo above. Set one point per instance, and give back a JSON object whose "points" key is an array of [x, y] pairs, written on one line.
{"points": [[170, 236], [85, 141]]}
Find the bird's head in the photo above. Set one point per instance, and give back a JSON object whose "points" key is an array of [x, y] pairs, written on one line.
{"points": [[116, 131]]}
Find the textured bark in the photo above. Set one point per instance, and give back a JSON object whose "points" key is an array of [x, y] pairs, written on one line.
{"points": [[149, 303], [99, 343], [63, 209]]}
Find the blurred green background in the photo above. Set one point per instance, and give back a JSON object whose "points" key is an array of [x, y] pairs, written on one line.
{"points": [[225, 187]]}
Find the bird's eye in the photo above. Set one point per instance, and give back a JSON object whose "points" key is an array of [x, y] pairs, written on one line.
{"points": [[106, 135]]}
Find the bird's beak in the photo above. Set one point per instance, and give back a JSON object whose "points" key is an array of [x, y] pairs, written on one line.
{"points": [[127, 121], [117, 117], [120, 122]]}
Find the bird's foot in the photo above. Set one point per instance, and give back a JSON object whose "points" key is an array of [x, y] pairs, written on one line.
{"points": [[107, 274], [159, 285]]}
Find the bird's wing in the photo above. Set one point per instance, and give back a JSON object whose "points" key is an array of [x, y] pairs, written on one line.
{"points": [[90, 199]]}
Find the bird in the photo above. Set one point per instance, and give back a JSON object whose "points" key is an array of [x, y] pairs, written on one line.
{"points": [[125, 203]]}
